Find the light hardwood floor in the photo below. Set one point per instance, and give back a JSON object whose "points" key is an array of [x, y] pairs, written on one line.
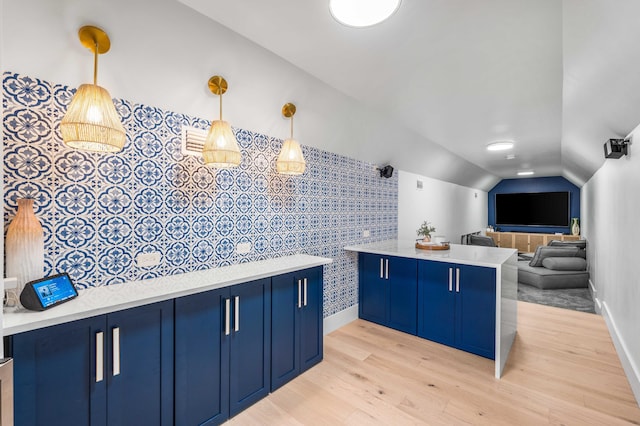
{"points": [[563, 370]]}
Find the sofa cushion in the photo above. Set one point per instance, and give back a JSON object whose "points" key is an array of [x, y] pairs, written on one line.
{"points": [[544, 278], [581, 244], [577, 243], [565, 263], [543, 252]]}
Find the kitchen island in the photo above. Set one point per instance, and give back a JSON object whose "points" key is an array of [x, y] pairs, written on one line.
{"points": [[464, 297]]}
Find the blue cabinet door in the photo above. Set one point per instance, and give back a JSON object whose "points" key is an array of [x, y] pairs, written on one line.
{"points": [[55, 381], [374, 288], [140, 365], [201, 359], [436, 312], [285, 360], [250, 339], [402, 307], [457, 306], [476, 310], [296, 324], [311, 329]]}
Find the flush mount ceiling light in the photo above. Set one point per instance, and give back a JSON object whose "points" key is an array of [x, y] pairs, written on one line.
{"points": [[290, 161], [525, 173], [500, 146], [221, 148], [362, 13], [91, 122]]}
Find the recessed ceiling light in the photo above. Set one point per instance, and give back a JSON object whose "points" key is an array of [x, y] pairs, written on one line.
{"points": [[499, 146], [525, 173], [510, 156], [362, 13]]}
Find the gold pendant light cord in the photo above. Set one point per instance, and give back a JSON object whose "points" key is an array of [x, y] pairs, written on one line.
{"points": [[220, 96], [292, 127], [95, 65]]}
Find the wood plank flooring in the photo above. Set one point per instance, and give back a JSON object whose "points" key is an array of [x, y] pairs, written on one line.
{"points": [[563, 370]]}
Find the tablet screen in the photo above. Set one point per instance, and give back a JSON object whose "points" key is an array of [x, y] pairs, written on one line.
{"points": [[54, 290]]}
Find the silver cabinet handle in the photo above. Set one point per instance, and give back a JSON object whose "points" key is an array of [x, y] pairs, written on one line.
{"points": [[227, 318], [450, 279], [116, 350], [381, 268], [236, 319], [299, 293], [99, 356], [457, 280], [387, 268], [305, 292]]}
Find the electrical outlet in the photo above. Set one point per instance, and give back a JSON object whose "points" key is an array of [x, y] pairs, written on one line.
{"points": [[146, 260], [243, 248], [366, 233]]}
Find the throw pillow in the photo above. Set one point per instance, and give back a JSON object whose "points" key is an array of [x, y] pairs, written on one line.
{"points": [[565, 263], [543, 252]]}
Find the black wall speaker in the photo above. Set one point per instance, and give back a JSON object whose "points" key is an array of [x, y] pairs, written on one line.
{"points": [[615, 148], [386, 171]]}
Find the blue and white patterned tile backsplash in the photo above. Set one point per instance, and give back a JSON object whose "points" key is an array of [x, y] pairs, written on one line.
{"points": [[100, 211]]}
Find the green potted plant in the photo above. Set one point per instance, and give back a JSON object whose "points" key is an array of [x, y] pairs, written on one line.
{"points": [[425, 231]]}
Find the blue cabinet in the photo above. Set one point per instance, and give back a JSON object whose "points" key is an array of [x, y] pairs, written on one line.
{"points": [[140, 368], [388, 291], [55, 380], [201, 363], [114, 369], [222, 343], [457, 306], [194, 360], [249, 344], [296, 320]]}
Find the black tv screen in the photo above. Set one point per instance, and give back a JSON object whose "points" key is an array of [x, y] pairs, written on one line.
{"points": [[533, 209]]}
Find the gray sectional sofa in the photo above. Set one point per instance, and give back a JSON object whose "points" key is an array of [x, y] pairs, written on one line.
{"points": [[560, 264]]}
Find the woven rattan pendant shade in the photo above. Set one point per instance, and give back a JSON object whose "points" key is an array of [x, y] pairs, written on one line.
{"points": [[91, 122], [290, 161], [221, 149]]}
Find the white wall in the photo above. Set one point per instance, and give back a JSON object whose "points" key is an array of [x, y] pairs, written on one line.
{"points": [[163, 53], [453, 209], [609, 222]]}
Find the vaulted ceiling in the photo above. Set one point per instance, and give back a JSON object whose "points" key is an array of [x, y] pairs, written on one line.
{"points": [[556, 77]]}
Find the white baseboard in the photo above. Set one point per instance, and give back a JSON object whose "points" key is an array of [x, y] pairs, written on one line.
{"points": [[337, 320], [629, 366], [594, 296]]}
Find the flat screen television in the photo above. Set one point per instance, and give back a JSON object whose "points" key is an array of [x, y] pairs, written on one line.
{"points": [[533, 209]]}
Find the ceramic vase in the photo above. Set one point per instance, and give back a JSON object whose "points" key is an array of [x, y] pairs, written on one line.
{"points": [[24, 246], [426, 239], [575, 226]]}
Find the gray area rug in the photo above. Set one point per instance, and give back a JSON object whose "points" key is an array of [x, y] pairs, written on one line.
{"points": [[578, 299]]}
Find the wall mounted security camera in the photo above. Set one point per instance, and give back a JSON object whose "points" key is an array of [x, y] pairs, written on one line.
{"points": [[615, 148], [386, 171]]}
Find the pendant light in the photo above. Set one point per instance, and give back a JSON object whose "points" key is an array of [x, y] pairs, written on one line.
{"points": [[290, 161], [91, 122], [220, 149]]}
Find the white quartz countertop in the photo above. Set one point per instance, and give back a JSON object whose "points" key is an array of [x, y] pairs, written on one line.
{"points": [[466, 255], [101, 300]]}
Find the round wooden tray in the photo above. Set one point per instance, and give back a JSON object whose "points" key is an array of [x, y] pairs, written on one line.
{"points": [[433, 246]]}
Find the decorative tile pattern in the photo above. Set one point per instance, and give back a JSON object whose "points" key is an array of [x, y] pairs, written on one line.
{"points": [[100, 211]]}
